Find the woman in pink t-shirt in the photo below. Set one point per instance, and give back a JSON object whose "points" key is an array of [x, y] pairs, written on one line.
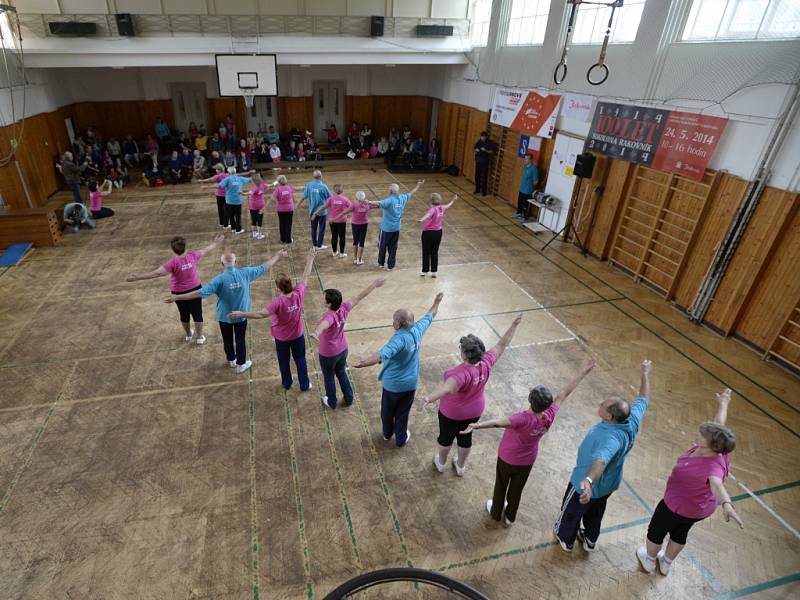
{"points": [[285, 205], [432, 234], [96, 199], [694, 489], [257, 205], [219, 194], [333, 343], [183, 277], [360, 209], [462, 397], [340, 207], [519, 445]]}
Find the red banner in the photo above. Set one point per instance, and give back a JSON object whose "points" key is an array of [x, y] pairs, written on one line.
{"points": [[687, 143]]}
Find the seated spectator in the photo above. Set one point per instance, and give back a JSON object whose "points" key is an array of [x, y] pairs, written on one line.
{"points": [[229, 160], [420, 150], [311, 149], [194, 133], [383, 146], [201, 141], [93, 169], [184, 142], [215, 159], [433, 153], [187, 163], [394, 137], [199, 168], [252, 144], [366, 135], [373, 150], [243, 163], [406, 133], [108, 162], [114, 149], [150, 144], [272, 136], [130, 152], [119, 174], [162, 130], [294, 135], [151, 168], [223, 135], [353, 132], [175, 168], [215, 144], [290, 153], [300, 152], [76, 215], [407, 147], [274, 152], [333, 136], [243, 147], [262, 152], [91, 135]]}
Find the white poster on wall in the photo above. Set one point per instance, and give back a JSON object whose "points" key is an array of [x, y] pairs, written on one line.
{"points": [[577, 107], [525, 111]]}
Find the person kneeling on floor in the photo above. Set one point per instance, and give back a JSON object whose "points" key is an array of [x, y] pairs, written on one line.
{"points": [[76, 216]]}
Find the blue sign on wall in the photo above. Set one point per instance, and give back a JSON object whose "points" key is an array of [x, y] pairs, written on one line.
{"points": [[524, 140]]}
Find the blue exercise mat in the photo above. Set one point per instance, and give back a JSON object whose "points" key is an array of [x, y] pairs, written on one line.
{"points": [[13, 254]]}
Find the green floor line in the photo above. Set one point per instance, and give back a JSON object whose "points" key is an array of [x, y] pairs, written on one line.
{"points": [[760, 587], [494, 331], [615, 290], [329, 434], [769, 490]]}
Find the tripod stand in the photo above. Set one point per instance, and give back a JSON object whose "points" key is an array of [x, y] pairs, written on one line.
{"points": [[569, 226]]}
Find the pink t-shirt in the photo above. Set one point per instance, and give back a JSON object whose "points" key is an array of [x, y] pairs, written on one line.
{"points": [[468, 402], [283, 198], [95, 200], [434, 223], [361, 213], [519, 445], [287, 318], [183, 271], [332, 341], [257, 198], [688, 491], [219, 193], [338, 204]]}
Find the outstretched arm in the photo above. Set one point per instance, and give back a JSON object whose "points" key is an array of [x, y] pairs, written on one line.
{"points": [[106, 189], [435, 306], [504, 341], [570, 387], [322, 326], [427, 216], [238, 314], [721, 494], [187, 296], [217, 241], [372, 359], [309, 264], [448, 386], [644, 387], [159, 272], [279, 255], [455, 197], [416, 187], [503, 422], [722, 410], [368, 290]]}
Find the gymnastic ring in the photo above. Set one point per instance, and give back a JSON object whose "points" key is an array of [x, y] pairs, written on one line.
{"points": [[556, 78], [592, 68]]}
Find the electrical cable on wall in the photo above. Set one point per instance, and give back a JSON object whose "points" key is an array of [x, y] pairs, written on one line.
{"points": [[16, 133]]}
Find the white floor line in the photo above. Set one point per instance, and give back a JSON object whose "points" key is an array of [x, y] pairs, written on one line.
{"points": [[768, 508]]}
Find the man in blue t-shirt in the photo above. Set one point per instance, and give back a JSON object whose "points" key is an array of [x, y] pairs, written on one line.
{"points": [[598, 468], [527, 184], [232, 288], [233, 185], [393, 207], [400, 371], [316, 193]]}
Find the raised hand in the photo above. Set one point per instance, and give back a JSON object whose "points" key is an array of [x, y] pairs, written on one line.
{"points": [[283, 253], [219, 239], [725, 396], [438, 298], [518, 319], [646, 364], [379, 282]]}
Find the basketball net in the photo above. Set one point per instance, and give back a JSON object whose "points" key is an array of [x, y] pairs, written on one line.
{"points": [[249, 99]]}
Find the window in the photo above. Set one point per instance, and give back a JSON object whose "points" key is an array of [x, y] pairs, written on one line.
{"points": [[591, 23], [742, 20], [480, 14], [528, 22]]}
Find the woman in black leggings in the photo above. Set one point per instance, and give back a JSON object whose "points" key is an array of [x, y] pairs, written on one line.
{"points": [[432, 234], [285, 205]]}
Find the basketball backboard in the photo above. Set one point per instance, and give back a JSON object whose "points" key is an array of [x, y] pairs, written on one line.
{"points": [[247, 74]]}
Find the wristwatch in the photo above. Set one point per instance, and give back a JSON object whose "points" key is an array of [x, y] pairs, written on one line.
{"points": [[589, 479]]}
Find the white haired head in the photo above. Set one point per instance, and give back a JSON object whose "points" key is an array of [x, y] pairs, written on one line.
{"points": [[394, 188], [317, 174], [360, 196], [232, 171], [228, 259]]}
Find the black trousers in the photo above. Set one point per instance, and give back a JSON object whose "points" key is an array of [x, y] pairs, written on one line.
{"points": [[481, 177], [285, 226], [573, 512], [234, 332], [509, 481], [395, 407], [664, 522], [256, 218], [388, 242], [338, 232], [190, 308], [430, 250], [523, 206], [221, 212], [234, 216]]}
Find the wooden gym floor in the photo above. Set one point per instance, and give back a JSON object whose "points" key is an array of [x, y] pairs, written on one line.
{"points": [[133, 465]]}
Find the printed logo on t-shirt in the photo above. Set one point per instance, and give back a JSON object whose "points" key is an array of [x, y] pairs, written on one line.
{"points": [[234, 285], [186, 266], [292, 308]]}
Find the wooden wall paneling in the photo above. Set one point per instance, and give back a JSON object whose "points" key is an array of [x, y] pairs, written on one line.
{"points": [[420, 117], [785, 344], [296, 111], [58, 130], [10, 184], [638, 217], [446, 131], [219, 108], [722, 206], [749, 257], [660, 204], [773, 290], [588, 200], [361, 109], [477, 120], [459, 142]]}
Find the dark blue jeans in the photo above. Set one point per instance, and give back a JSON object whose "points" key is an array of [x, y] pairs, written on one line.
{"points": [[333, 368], [388, 242], [295, 348], [395, 407], [76, 192], [233, 341], [318, 230]]}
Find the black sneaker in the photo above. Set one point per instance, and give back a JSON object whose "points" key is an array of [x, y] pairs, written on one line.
{"points": [[564, 546], [587, 545]]}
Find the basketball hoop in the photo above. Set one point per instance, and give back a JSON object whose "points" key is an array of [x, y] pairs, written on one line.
{"points": [[249, 98]]}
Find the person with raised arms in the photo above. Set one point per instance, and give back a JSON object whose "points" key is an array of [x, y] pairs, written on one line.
{"points": [[394, 205]]}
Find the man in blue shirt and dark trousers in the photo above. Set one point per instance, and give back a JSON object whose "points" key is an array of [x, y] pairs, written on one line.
{"points": [[232, 288], [316, 193], [400, 372], [598, 468], [530, 177], [393, 207], [233, 185]]}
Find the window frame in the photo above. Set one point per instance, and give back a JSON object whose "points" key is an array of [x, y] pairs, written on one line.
{"points": [[507, 26], [488, 25], [714, 40], [611, 41]]}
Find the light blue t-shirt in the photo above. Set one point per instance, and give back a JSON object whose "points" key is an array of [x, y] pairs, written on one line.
{"points": [[233, 185], [232, 288], [530, 174], [400, 357], [315, 194], [609, 442], [393, 208]]}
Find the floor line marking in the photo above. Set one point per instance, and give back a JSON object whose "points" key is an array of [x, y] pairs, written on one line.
{"points": [[760, 587], [766, 507]]}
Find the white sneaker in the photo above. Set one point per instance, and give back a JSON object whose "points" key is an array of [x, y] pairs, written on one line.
{"points": [[227, 227], [189, 337], [238, 232], [648, 564], [324, 400], [335, 254], [342, 254], [440, 467], [361, 262], [201, 339], [422, 273], [459, 470], [244, 367], [260, 236], [323, 247], [390, 270], [380, 266], [408, 437], [489, 504], [252, 234], [232, 364], [663, 565], [355, 261]]}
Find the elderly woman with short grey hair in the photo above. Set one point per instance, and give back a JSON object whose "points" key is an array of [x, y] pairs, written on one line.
{"points": [[694, 489], [462, 396], [432, 234]]}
